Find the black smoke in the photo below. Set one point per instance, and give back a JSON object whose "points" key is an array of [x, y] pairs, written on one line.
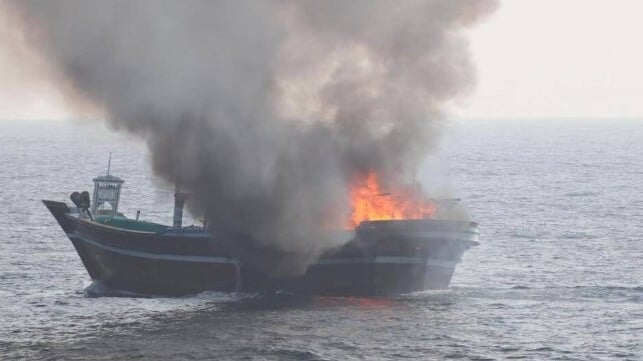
{"points": [[266, 110]]}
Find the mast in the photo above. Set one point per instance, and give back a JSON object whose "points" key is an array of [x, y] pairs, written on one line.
{"points": [[179, 202], [109, 163]]}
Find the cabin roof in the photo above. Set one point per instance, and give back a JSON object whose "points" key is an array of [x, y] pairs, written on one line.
{"points": [[108, 178]]}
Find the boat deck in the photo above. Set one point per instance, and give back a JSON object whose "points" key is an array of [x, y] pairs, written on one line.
{"points": [[130, 224]]}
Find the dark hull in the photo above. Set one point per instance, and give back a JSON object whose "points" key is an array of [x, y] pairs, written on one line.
{"points": [[367, 278], [373, 278], [145, 273], [384, 258]]}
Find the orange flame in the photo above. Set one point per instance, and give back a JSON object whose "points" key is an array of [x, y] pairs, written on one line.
{"points": [[370, 203]]}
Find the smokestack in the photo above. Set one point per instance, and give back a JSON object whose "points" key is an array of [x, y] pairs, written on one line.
{"points": [[179, 202]]}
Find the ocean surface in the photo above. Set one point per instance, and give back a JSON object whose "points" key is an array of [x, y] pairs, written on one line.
{"points": [[558, 274]]}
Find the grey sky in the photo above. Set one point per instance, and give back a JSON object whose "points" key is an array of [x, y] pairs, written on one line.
{"points": [[535, 58]]}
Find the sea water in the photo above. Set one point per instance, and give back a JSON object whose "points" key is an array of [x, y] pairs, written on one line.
{"points": [[558, 273]]}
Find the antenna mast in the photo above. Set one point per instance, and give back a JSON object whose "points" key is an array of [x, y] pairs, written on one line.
{"points": [[109, 162]]}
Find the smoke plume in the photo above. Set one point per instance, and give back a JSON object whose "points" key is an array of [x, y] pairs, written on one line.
{"points": [[266, 110]]}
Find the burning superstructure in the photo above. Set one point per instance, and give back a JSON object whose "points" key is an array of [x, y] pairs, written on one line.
{"points": [[370, 202]]}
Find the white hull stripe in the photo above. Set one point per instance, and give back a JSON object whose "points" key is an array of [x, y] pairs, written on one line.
{"points": [[388, 260], [206, 259], [156, 256], [447, 236], [441, 263]]}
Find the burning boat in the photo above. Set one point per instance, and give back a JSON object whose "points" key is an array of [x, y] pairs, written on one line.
{"points": [[396, 246]]}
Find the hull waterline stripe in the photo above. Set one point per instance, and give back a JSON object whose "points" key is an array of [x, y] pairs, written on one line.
{"points": [[154, 256]]}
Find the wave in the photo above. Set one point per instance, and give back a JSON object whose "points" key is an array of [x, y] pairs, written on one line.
{"points": [[520, 287], [612, 288], [582, 194], [99, 289]]}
